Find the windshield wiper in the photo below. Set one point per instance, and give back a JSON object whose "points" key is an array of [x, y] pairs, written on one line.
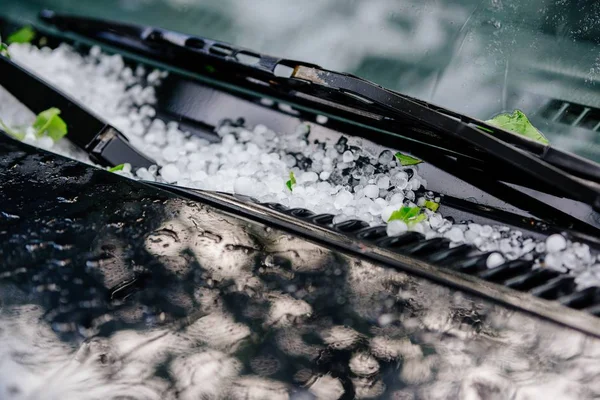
{"points": [[349, 97], [104, 143]]}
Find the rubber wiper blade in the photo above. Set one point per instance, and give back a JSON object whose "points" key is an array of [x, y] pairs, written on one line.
{"points": [[352, 97], [102, 142], [531, 158]]}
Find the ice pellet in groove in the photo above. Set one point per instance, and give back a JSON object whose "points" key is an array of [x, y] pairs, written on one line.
{"points": [[555, 243], [371, 191], [170, 173], [494, 260], [455, 235], [348, 157], [396, 227]]}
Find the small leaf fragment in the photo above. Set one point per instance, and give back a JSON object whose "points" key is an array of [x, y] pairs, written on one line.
{"points": [[408, 215], [483, 128], [518, 123], [117, 168], [407, 160], [48, 122], [417, 219], [3, 49], [291, 182], [432, 205], [24, 35], [15, 134]]}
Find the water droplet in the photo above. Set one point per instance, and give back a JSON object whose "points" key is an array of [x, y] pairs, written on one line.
{"points": [[9, 217]]}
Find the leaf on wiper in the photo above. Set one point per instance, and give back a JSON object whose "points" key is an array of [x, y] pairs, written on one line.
{"points": [[418, 218], [291, 182], [408, 215], [3, 49], [432, 205], [117, 168], [24, 35], [49, 123], [407, 160], [518, 123], [488, 130]]}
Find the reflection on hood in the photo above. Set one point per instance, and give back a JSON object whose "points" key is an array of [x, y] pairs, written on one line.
{"points": [[231, 309]]}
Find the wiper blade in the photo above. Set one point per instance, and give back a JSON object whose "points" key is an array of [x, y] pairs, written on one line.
{"points": [[104, 144], [567, 173]]}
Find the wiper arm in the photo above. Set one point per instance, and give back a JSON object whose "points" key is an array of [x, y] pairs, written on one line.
{"points": [[565, 172], [104, 144]]}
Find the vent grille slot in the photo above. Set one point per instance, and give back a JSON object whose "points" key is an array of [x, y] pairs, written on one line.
{"points": [[583, 299], [530, 280], [351, 226], [556, 288], [572, 114], [506, 271], [517, 274], [372, 234], [302, 213]]}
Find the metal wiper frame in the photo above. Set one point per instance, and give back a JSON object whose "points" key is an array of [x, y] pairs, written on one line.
{"points": [[104, 143], [351, 97]]}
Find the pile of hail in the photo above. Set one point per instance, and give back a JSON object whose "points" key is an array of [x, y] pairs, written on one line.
{"points": [[281, 167]]}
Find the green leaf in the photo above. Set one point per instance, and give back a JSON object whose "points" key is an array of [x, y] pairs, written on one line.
{"points": [[407, 160], [291, 182], [417, 219], [117, 168], [23, 35], [48, 122], [3, 49], [432, 205], [408, 215], [518, 123], [17, 135]]}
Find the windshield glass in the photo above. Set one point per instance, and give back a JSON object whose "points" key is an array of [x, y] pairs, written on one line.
{"points": [[476, 57]]}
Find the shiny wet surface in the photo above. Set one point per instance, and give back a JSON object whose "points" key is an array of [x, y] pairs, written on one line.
{"points": [[113, 289]]}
